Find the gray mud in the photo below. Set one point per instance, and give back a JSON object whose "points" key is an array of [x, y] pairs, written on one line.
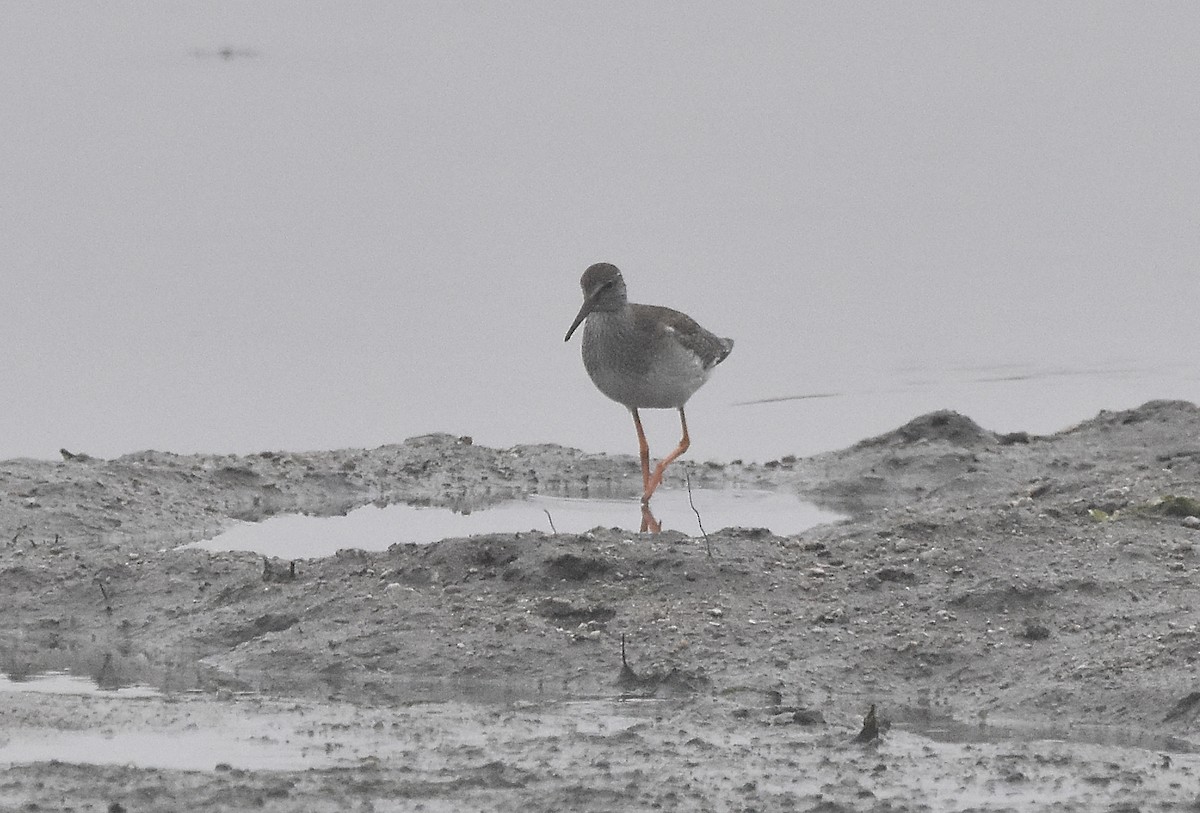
{"points": [[1022, 610]]}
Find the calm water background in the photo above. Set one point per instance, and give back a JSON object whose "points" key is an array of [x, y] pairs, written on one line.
{"points": [[369, 221]]}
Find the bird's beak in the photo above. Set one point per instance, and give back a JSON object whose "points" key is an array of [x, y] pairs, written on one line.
{"points": [[588, 304]]}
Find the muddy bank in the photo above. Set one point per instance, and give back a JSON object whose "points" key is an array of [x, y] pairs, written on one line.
{"points": [[979, 578]]}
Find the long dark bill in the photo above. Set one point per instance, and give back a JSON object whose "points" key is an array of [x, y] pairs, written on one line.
{"points": [[588, 304]]}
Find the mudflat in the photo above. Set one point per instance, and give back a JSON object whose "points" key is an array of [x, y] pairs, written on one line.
{"points": [[1020, 610]]}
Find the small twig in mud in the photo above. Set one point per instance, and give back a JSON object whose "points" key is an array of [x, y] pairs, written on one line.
{"points": [[104, 592], [628, 679], [870, 728], [707, 544], [20, 531], [271, 574], [552, 528]]}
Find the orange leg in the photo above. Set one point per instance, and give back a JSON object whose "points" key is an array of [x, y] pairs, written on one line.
{"points": [[656, 480], [649, 523], [643, 450]]}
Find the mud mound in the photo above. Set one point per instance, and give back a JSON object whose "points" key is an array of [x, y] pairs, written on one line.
{"points": [[457, 560], [1049, 581], [944, 425], [1174, 413]]}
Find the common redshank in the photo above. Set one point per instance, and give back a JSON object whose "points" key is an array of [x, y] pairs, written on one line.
{"points": [[643, 356]]}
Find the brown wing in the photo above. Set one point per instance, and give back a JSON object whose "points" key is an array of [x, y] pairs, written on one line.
{"points": [[708, 347]]}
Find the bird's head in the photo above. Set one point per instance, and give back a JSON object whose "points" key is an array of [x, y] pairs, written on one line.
{"points": [[603, 290]]}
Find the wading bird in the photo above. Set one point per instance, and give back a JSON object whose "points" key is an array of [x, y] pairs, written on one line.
{"points": [[643, 356]]}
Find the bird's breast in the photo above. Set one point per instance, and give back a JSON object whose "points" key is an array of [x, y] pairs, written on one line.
{"points": [[636, 367]]}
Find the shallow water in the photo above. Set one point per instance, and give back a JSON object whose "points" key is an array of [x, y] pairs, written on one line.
{"points": [[252, 747], [213, 736], [371, 528], [952, 731], [1025, 275], [66, 683], [200, 735], [82, 665], [1032, 773]]}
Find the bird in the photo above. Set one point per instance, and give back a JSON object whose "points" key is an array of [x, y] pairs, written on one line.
{"points": [[643, 357]]}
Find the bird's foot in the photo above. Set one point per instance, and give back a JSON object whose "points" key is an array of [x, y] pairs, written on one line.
{"points": [[649, 523]]}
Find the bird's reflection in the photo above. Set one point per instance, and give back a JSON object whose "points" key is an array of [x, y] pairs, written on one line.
{"points": [[107, 676]]}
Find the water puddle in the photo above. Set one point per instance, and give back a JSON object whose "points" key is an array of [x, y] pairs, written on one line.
{"points": [[257, 746], [1019, 731], [297, 536], [65, 683], [200, 736], [63, 664]]}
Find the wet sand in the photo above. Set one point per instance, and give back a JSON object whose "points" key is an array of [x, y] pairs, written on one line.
{"points": [[1021, 609]]}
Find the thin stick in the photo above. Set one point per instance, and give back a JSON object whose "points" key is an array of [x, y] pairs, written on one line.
{"points": [[103, 592], [687, 474], [552, 528]]}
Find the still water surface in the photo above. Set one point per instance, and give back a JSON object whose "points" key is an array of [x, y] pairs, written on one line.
{"points": [[66, 683], [297, 536], [321, 243]]}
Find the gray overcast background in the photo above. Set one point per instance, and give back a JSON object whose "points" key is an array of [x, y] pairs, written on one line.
{"points": [[375, 225]]}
